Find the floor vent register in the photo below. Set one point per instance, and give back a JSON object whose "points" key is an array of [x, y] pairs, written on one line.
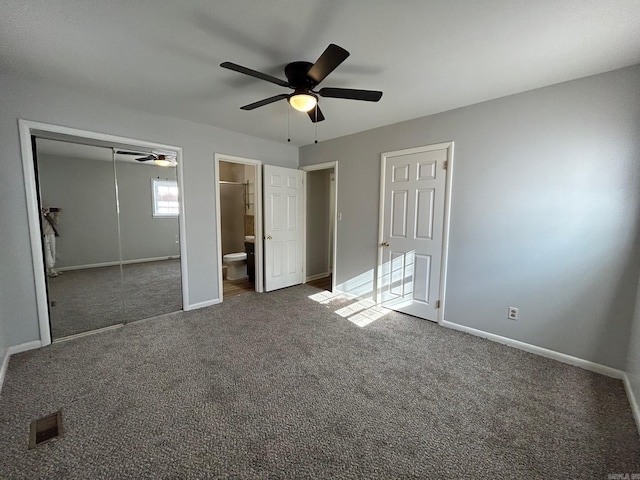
{"points": [[45, 429]]}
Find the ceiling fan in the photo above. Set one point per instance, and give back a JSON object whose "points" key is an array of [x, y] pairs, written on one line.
{"points": [[158, 158], [302, 78]]}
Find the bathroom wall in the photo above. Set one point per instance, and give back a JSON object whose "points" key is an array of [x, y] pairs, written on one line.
{"points": [[235, 220], [231, 172]]}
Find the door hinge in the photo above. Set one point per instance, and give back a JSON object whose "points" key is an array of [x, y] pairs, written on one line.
{"points": [[438, 304], [446, 164]]}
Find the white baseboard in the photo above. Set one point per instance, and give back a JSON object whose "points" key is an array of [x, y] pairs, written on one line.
{"points": [[635, 409], [543, 352], [3, 369], [116, 263], [208, 303], [23, 347], [311, 278], [88, 333]]}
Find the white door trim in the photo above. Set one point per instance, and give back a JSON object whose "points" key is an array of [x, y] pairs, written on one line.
{"points": [[334, 266], [447, 213], [333, 196], [259, 276], [27, 128]]}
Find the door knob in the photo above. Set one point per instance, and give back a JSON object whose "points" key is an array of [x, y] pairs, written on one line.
{"points": [[269, 237], [384, 244]]}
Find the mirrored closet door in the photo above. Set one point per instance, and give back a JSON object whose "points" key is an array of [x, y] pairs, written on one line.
{"points": [[110, 235], [149, 237]]}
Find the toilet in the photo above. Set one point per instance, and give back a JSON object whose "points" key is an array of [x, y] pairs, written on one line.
{"points": [[236, 265]]}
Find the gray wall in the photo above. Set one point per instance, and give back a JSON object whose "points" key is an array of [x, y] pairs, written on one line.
{"points": [[544, 215], [633, 361], [25, 98], [88, 222], [85, 190], [318, 189], [144, 236]]}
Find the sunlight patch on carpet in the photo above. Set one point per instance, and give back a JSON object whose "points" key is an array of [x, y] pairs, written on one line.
{"points": [[361, 312]]}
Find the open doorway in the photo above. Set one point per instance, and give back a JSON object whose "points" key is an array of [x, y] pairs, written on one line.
{"points": [[239, 224], [321, 224]]}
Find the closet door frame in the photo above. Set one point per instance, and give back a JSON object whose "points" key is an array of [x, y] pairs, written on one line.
{"points": [[27, 129]]}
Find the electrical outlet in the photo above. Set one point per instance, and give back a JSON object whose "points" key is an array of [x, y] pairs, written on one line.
{"points": [[512, 313]]}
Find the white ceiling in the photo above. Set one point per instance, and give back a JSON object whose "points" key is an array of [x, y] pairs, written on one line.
{"points": [[163, 56]]}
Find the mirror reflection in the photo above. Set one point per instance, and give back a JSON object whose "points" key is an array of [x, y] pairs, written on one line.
{"points": [[106, 265], [149, 236]]}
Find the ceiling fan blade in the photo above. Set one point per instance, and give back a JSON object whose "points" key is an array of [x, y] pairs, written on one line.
{"points": [[147, 158], [122, 152], [142, 156], [312, 114], [327, 63], [264, 102], [351, 94], [253, 73]]}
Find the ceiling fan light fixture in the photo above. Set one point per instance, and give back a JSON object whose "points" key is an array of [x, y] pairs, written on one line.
{"points": [[303, 101], [165, 162]]}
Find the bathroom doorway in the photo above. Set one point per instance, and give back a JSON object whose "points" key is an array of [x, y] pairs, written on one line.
{"points": [[239, 224], [321, 224]]}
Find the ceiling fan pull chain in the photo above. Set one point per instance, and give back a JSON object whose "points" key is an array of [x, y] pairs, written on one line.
{"points": [[316, 122], [288, 123]]}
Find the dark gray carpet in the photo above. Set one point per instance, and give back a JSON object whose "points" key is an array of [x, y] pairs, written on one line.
{"points": [[93, 298], [278, 386]]}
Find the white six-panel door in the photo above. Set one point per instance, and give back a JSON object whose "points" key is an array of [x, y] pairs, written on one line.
{"points": [[283, 227], [411, 235]]}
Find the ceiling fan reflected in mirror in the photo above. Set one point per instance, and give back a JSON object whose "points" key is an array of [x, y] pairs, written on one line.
{"points": [[303, 78], [160, 159]]}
